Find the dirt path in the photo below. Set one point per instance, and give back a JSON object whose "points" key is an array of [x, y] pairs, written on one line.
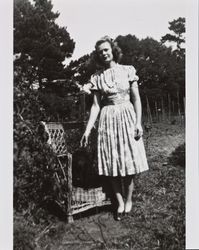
{"points": [[151, 212]]}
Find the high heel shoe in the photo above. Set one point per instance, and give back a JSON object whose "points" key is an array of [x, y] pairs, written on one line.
{"points": [[119, 213], [118, 216], [127, 211]]}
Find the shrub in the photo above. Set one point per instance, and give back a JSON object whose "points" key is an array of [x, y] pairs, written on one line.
{"points": [[24, 236], [178, 156]]}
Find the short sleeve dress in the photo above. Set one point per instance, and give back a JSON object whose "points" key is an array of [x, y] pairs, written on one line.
{"points": [[119, 154]]}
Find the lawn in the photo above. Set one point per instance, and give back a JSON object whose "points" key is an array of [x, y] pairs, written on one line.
{"points": [[157, 220]]}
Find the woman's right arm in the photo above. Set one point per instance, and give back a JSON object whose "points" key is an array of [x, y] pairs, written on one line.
{"points": [[95, 109]]}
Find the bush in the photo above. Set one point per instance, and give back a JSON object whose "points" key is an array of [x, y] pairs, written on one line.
{"points": [[178, 156], [24, 236], [34, 164]]}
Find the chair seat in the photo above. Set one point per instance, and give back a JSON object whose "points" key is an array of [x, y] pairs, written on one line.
{"points": [[88, 195]]}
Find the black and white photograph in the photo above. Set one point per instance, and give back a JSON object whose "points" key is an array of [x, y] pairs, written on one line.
{"points": [[103, 125]]}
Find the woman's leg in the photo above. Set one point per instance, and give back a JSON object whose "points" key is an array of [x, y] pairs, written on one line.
{"points": [[129, 188], [116, 185]]}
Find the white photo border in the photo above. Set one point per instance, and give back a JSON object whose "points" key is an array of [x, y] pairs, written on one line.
{"points": [[6, 126], [192, 128]]}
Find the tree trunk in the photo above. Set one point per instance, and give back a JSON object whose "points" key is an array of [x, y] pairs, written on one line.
{"points": [[163, 110], [156, 111], [178, 103], [169, 107], [148, 111], [82, 107], [184, 105], [173, 107]]}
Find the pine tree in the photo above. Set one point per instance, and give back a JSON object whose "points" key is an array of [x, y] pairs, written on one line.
{"points": [[40, 45], [177, 27]]}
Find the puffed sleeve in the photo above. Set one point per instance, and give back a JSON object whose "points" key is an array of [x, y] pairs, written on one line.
{"points": [[87, 88], [132, 76]]}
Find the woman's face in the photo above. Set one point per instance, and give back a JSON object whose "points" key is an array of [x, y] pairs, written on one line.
{"points": [[104, 51]]}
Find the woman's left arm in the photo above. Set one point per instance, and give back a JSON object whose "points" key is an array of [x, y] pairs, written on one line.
{"points": [[135, 97]]}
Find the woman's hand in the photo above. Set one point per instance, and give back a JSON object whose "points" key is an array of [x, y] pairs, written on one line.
{"points": [[138, 131], [85, 89], [84, 139]]}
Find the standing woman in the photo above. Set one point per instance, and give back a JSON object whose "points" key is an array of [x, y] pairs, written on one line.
{"points": [[121, 152]]}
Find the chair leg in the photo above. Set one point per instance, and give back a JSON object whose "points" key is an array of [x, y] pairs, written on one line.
{"points": [[69, 188], [70, 218]]}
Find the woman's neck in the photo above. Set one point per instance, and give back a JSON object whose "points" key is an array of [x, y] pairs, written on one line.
{"points": [[110, 65]]}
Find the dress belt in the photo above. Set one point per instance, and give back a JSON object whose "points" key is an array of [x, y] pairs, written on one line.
{"points": [[114, 102]]}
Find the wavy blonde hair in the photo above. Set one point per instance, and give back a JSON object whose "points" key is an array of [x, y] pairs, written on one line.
{"points": [[117, 52]]}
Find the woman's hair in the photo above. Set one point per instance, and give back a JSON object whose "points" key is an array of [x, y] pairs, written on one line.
{"points": [[117, 52]]}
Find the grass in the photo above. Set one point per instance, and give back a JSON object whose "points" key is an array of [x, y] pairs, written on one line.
{"points": [[157, 220]]}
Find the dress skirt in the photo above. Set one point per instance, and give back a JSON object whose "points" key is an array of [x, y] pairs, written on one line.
{"points": [[119, 154]]}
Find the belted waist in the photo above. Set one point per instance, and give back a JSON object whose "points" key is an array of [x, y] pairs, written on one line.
{"points": [[115, 101]]}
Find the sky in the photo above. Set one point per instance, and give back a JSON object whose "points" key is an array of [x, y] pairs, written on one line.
{"points": [[89, 20]]}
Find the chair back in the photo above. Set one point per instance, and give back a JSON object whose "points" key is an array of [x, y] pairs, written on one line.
{"points": [[56, 137]]}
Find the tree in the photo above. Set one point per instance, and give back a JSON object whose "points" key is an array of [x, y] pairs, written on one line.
{"points": [[151, 60], [40, 45], [160, 69], [130, 48], [178, 29]]}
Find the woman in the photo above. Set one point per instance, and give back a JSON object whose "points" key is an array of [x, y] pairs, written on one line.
{"points": [[121, 152]]}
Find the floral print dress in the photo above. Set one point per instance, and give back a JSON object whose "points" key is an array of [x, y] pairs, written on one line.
{"points": [[119, 154]]}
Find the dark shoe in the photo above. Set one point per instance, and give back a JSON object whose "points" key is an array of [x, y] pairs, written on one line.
{"points": [[118, 216]]}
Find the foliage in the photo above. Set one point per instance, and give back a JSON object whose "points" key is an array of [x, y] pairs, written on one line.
{"points": [[178, 28], [159, 69], [61, 108], [33, 168], [24, 235], [178, 156], [40, 44], [35, 164]]}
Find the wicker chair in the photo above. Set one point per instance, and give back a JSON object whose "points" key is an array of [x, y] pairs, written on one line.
{"points": [[78, 198]]}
